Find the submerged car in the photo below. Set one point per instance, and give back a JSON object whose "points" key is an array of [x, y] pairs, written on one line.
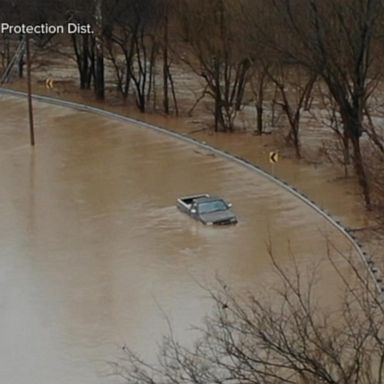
{"points": [[207, 209]]}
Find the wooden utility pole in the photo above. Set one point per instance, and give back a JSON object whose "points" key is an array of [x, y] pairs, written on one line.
{"points": [[30, 110]]}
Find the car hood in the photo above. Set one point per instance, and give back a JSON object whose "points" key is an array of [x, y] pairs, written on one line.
{"points": [[218, 217]]}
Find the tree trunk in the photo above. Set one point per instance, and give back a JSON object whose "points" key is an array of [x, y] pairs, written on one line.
{"points": [[99, 64], [99, 74], [84, 57], [346, 153], [273, 107], [360, 170], [259, 102], [165, 66], [85, 73], [296, 139], [259, 112], [217, 113], [244, 67], [173, 93], [21, 63], [140, 101]]}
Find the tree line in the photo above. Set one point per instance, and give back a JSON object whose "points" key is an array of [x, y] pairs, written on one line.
{"points": [[286, 54]]}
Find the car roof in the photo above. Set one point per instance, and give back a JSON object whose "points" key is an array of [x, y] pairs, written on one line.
{"points": [[207, 199]]}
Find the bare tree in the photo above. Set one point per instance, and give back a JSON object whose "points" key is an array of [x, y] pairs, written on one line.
{"points": [[337, 42], [83, 45], [167, 13], [88, 48], [295, 89], [133, 47], [24, 12], [291, 338], [337, 148], [84, 48], [215, 54], [258, 84]]}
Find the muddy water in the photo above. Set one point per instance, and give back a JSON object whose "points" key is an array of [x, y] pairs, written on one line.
{"points": [[93, 251]]}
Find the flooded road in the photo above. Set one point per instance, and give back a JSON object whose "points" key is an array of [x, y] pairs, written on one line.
{"points": [[93, 251]]}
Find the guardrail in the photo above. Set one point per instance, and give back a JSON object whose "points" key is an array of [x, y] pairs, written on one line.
{"points": [[366, 259]]}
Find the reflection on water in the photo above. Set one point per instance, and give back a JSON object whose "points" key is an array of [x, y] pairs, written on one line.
{"points": [[93, 251]]}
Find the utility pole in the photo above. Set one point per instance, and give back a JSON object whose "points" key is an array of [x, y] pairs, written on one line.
{"points": [[30, 110]]}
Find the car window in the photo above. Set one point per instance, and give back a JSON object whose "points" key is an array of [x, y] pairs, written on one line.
{"points": [[212, 206]]}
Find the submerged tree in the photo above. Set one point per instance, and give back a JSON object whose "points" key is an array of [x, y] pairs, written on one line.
{"points": [[336, 40], [295, 89], [215, 53], [83, 44], [132, 46]]}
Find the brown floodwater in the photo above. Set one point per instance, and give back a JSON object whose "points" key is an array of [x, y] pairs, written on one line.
{"points": [[94, 253]]}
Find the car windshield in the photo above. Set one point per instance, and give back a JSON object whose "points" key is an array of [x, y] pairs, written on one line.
{"points": [[212, 206]]}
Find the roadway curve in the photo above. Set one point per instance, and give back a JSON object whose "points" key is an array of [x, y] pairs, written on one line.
{"points": [[93, 250]]}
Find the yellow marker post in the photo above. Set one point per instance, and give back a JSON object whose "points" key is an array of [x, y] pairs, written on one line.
{"points": [[49, 83], [273, 159]]}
